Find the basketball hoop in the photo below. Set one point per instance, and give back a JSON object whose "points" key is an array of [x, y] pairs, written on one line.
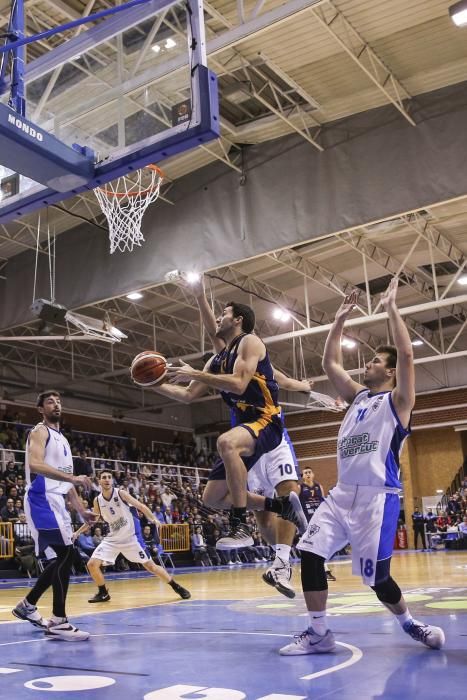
{"points": [[124, 203]]}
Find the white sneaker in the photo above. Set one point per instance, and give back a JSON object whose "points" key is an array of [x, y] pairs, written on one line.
{"points": [[309, 642], [239, 536], [26, 611], [432, 637], [66, 631], [279, 576]]}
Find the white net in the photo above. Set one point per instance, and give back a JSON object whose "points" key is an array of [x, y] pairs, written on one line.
{"points": [[124, 203], [323, 402]]}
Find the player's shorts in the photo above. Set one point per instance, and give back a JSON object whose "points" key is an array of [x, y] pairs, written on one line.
{"points": [[366, 517], [48, 519], [273, 468], [268, 435], [131, 549]]}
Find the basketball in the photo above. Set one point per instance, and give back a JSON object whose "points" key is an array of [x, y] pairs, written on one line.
{"points": [[148, 368]]}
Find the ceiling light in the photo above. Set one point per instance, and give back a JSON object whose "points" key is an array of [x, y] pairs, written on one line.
{"points": [[156, 48], [462, 280], [170, 43], [417, 341], [134, 296], [192, 277], [348, 343], [281, 314], [458, 13], [439, 491]]}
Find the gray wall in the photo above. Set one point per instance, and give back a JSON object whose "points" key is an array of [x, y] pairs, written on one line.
{"points": [[375, 165]]}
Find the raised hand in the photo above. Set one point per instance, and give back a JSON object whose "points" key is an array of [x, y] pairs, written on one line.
{"points": [[195, 286], [388, 297], [89, 517], [347, 306], [82, 480]]}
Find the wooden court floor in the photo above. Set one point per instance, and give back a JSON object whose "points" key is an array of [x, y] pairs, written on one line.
{"points": [[223, 643]]}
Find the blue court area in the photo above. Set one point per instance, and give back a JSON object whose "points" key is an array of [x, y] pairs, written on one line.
{"points": [[228, 650]]}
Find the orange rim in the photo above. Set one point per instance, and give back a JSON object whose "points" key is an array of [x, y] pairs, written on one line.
{"points": [[151, 166]]}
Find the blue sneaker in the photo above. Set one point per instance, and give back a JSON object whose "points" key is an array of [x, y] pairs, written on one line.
{"points": [[309, 642], [432, 637]]}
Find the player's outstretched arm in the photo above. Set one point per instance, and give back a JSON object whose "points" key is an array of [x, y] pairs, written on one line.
{"points": [[185, 394], [76, 504], [250, 351], [332, 357], [207, 314], [181, 393], [289, 384], [141, 507], [404, 393]]}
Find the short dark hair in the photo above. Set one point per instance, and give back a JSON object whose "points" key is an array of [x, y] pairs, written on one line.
{"points": [[391, 353], [247, 314], [106, 471], [45, 395]]}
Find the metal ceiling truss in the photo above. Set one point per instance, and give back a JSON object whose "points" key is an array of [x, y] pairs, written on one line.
{"points": [[337, 25], [279, 101], [415, 278]]}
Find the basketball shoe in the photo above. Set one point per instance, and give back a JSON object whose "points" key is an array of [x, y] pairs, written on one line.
{"points": [[100, 597], [279, 576], [182, 592], [238, 536], [26, 611], [65, 630], [432, 637], [309, 642], [292, 510], [330, 576]]}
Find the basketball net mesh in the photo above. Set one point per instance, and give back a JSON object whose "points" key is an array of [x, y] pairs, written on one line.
{"points": [[323, 402], [124, 203]]}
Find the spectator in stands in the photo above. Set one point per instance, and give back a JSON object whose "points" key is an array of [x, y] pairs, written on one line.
{"points": [[11, 472], [151, 540], [98, 536], [82, 466], [167, 497], [418, 522], [85, 543], [22, 532], [463, 527], [9, 514], [159, 515], [454, 505], [20, 487], [198, 547], [3, 498]]}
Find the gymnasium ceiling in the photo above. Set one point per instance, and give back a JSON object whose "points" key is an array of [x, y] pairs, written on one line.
{"points": [[321, 62]]}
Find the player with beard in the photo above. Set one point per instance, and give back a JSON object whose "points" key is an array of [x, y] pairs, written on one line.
{"points": [[363, 508]]}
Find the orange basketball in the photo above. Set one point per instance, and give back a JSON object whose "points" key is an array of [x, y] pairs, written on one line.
{"points": [[148, 368]]}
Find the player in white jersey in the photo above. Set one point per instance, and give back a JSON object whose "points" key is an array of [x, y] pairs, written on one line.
{"points": [[118, 509], [364, 506], [50, 479]]}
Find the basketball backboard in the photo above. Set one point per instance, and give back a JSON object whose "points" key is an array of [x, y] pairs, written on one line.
{"points": [[132, 89]]}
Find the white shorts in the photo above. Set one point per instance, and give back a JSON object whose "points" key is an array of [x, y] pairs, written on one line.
{"points": [[48, 520], [132, 550], [273, 467], [366, 517]]}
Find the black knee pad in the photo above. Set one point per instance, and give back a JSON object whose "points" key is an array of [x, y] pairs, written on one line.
{"points": [[388, 591], [313, 573]]}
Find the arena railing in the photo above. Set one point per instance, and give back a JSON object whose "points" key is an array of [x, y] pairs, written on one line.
{"points": [[7, 541], [162, 472]]}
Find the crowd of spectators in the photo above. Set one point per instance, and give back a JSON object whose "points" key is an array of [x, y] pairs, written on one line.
{"points": [[172, 492], [433, 527]]}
